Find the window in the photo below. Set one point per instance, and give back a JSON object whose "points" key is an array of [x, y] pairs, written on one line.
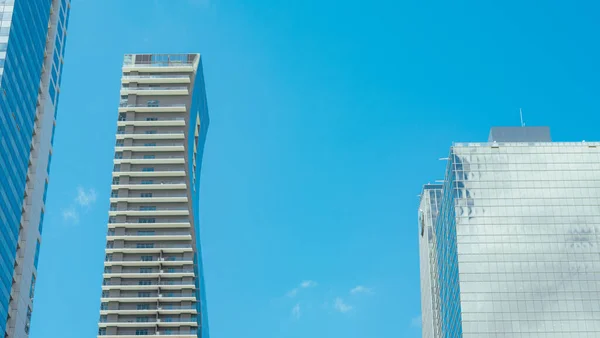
{"points": [[143, 307], [145, 233], [112, 219], [171, 270], [147, 208], [113, 207], [45, 191], [121, 130], [143, 294], [110, 245], [147, 181], [152, 144], [115, 181], [147, 220], [103, 306], [147, 169], [168, 319], [108, 269], [143, 332], [146, 194], [117, 168], [52, 92], [49, 161], [114, 193], [142, 319], [150, 131], [153, 103], [149, 157], [102, 332], [144, 282], [122, 117], [32, 286], [118, 156], [151, 118], [37, 254], [104, 294], [146, 259], [108, 257], [145, 245], [103, 319], [40, 226], [119, 143]]}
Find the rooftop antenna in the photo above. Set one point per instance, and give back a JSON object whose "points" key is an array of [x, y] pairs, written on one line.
{"points": [[521, 114]]}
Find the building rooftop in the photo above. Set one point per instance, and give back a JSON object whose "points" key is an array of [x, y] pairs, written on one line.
{"points": [[519, 134]]}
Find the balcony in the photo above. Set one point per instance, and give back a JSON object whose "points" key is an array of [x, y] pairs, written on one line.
{"points": [[155, 310], [151, 299], [159, 160], [154, 199], [167, 78], [161, 136], [162, 224], [165, 248], [157, 262], [163, 185], [178, 273], [156, 286], [158, 236], [157, 212], [159, 68], [173, 322], [163, 122], [156, 173], [155, 335], [144, 108], [154, 91], [158, 148]]}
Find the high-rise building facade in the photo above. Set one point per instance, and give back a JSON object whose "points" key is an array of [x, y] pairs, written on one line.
{"points": [[153, 278], [32, 39], [516, 238]]}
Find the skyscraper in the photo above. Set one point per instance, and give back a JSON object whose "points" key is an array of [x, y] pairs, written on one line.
{"points": [[515, 239], [32, 39], [153, 279]]}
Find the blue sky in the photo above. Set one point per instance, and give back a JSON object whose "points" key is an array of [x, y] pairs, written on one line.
{"points": [[326, 119]]}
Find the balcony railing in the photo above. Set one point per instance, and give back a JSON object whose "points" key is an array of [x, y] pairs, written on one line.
{"points": [[152, 284], [123, 105], [154, 88], [133, 77]]}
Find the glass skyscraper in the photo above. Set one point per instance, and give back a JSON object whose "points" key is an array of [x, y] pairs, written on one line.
{"points": [[510, 241], [153, 278], [32, 39]]}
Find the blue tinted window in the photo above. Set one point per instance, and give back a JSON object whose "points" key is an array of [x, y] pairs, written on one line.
{"points": [[53, 132], [41, 225], [3, 47], [58, 45], [56, 59], [45, 190], [49, 161], [52, 92], [37, 254], [61, 15], [32, 287], [60, 30], [54, 75]]}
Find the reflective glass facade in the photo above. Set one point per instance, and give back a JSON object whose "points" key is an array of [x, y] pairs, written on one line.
{"points": [[517, 240], [430, 302], [25, 28]]}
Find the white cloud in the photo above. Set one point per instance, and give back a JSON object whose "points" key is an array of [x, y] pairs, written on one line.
{"points": [[308, 284], [296, 311], [360, 289], [416, 322], [82, 202], [70, 215], [304, 285], [85, 198], [340, 306]]}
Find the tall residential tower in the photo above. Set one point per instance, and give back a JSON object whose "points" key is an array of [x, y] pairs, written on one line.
{"points": [[32, 40], [153, 279], [510, 243]]}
